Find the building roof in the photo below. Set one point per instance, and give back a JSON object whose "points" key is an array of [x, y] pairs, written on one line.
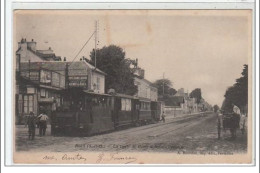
{"points": [[48, 51], [78, 68], [146, 81]]}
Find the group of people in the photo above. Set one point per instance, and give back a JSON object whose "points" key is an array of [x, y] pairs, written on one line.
{"points": [[234, 121], [36, 121]]}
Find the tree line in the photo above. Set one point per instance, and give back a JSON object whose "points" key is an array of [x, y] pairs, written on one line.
{"points": [[238, 93]]}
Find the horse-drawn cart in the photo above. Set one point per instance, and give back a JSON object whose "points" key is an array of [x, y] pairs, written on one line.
{"points": [[231, 122]]}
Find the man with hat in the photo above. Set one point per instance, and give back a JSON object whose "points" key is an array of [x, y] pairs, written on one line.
{"points": [[31, 122]]}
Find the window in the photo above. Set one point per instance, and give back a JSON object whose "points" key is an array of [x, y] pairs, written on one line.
{"points": [[46, 93], [58, 101], [28, 103], [128, 104], [25, 104], [122, 104], [125, 104], [145, 106], [98, 83], [42, 92], [20, 104]]}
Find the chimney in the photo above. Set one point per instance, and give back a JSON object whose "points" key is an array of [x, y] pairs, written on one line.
{"points": [[32, 45], [49, 48], [22, 44], [67, 75], [64, 59]]}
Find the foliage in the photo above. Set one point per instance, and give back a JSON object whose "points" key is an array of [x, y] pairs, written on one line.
{"points": [[164, 87], [215, 108], [238, 93], [111, 60], [196, 93]]}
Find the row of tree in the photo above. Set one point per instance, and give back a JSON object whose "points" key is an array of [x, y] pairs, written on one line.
{"points": [[120, 76], [165, 90], [238, 93]]}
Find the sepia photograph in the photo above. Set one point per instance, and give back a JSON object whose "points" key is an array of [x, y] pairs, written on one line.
{"points": [[132, 86]]}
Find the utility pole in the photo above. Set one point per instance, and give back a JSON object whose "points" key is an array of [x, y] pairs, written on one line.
{"points": [[96, 44], [163, 83], [29, 70]]}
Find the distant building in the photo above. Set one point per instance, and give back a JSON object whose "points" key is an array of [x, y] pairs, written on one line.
{"points": [[181, 103], [174, 105], [182, 93], [145, 88], [27, 51]]}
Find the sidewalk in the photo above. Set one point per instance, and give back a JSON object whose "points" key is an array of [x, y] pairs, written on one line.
{"points": [[184, 115]]}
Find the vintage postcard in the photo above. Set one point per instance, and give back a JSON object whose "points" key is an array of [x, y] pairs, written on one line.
{"points": [[133, 87]]}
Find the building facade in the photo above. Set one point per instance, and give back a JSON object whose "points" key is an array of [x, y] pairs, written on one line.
{"points": [[145, 88], [40, 86]]}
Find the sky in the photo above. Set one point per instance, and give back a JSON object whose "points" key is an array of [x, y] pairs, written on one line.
{"points": [[193, 48]]}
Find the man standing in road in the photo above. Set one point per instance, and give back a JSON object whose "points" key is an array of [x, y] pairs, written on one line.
{"points": [[31, 122], [42, 123], [163, 117], [219, 122], [235, 121]]}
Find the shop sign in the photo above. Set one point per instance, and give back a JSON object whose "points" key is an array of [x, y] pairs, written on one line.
{"points": [[30, 90], [34, 75], [45, 77], [62, 81], [55, 79], [78, 81], [46, 100]]}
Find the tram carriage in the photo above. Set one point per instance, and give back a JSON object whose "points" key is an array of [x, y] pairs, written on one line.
{"points": [[84, 113], [87, 113], [145, 113], [125, 110], [156, 110]]}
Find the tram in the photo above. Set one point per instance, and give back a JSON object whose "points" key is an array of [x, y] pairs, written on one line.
{"points": [[87, 113]]}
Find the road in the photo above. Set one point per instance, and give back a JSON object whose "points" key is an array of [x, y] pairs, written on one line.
{"points": [[193, 133]]}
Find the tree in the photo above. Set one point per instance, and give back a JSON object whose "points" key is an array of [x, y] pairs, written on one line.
{"points": [[215, 108], [111, 60], [172, 91], [238, 93], [196, 93], [164, 87]]}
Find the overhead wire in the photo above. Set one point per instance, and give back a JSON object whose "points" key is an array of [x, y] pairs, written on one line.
{"points": [[82, 47]]}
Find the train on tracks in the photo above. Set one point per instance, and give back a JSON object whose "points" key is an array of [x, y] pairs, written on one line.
{"points": [[87, 113]]}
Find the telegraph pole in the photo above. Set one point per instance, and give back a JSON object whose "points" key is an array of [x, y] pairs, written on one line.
{"points": [[163, 83], [96, 26]]}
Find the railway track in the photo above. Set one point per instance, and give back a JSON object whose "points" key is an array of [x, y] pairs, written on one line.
{"points": [[172, 121]]}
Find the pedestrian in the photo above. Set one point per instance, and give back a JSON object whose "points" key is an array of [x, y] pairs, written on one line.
{"points": [[235, 121], [25, 121], [243, 123], [42, 123], [163, 117], [219, 122], [31, 122]]}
